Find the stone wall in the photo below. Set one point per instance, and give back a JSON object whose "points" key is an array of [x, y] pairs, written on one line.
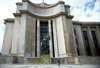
{"points": [[55, 60], [18, 60], [67, 60], [89, 60], [32, 61], [6, 59]]}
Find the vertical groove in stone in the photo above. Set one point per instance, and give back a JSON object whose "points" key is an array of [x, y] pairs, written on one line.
{"points": [[52, 38], [38, 38]]}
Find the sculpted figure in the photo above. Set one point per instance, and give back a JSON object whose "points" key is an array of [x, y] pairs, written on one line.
{"points": [[44, 46]]}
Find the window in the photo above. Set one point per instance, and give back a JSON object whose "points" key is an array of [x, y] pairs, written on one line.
{"points": [[86, 43], [78, 51], [95, 42], [75, 32], [76, 42], [44, 31]]}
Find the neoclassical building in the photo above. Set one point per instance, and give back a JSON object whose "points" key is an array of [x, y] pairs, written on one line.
{"points": [[74, 42]]}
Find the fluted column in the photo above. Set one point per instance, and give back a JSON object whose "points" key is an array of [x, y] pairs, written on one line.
{"points": [[98, 35], [50, 41], [91, 43], [38, 38]]}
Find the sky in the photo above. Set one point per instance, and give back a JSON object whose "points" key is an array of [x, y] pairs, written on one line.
{"points": [[83, 10]]}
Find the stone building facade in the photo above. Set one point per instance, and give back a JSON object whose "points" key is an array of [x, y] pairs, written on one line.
{"points": [[74, 42]]}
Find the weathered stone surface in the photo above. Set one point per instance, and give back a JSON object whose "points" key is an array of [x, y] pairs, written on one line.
{"points": [[6, 59], [55, 60], [32, 60], [89, 60], [7, 43], [60, 37], [22, 35], [15, 39]]}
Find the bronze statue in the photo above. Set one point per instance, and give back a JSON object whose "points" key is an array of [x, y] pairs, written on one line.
{"points": [[44, 46]]}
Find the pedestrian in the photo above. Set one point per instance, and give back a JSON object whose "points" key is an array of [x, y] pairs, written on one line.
{"points": [[58, 62]]}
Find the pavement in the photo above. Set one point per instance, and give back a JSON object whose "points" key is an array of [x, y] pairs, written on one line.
{"points": [[46, 66]]}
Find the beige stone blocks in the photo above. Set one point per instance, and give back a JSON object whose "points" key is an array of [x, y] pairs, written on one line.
{"points": [[15, 39], [60, 37], [80, 40], [7, 43], [38, 38], [22, 35]]}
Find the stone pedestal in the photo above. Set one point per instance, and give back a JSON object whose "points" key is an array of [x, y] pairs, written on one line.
{"points": [[45, 59]]}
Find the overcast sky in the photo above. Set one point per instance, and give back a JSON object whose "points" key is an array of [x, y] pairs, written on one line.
{"points": [[83, 10]]}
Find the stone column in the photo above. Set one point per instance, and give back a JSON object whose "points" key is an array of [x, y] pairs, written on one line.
{"points": [[7, 42], [91, 43], [22, 34], [33, 36], [38, 38], [15, 39], [60, 37], [80, 40], [66, 36], [55, 38], [98, 36], [70, 30], [50, 41]]}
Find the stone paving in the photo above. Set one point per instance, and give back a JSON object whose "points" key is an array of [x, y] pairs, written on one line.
{"points": [[47, 66]]}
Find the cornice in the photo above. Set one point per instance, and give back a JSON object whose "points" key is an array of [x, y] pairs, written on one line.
{"points": [[16, 14], [53, 5], [40, 16], [9, 20], [68, 6], [19, 3], [90, 24], [76, 22], [70, 16], [86, 23]]}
